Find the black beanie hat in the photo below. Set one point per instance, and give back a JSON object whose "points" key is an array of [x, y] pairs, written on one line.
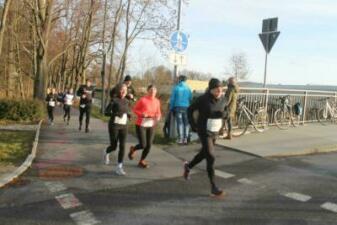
{"points": [[127, 78], [214, 83]]}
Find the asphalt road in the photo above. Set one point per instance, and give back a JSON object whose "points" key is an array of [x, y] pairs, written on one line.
{"points": [[68, 184]]}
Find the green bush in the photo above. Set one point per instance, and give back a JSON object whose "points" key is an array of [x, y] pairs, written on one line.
{"points": [[21, 110]]}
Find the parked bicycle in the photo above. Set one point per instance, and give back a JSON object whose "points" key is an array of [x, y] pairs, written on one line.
{"points": [[285, 116], [257, 119], [328, 113]]}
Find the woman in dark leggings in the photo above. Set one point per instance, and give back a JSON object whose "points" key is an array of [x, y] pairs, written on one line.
{"points": [[211, 112], [119, 113], [148, 114]]}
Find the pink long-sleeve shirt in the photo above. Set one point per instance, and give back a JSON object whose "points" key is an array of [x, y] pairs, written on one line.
{"points": [[149, 106]]}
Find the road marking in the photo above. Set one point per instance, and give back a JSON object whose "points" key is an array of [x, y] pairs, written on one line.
{"points": [[297, 196], [330, 206], [246, 181], [223, 174], [68, 201], [55, 186], [84, 218]]}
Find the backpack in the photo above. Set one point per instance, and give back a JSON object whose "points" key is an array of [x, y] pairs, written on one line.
{"points": [[298, 109]]}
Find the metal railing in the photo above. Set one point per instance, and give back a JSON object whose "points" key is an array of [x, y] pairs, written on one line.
{"points": [[310, 100]]}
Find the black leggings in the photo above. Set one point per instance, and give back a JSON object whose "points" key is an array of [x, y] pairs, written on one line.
{"points": [[50, 110], [67, 111], [86, 111], [206, 152], [145, 137], [117, 135]]}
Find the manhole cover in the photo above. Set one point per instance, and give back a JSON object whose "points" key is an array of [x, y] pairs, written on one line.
{"points": [[60, 172]]}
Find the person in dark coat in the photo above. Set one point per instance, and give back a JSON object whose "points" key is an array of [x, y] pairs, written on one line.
{"points": [[211, 108]]}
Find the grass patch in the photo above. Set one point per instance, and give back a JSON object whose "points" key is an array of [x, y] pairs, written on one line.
{"points": [[96, 113], [15, 146]]}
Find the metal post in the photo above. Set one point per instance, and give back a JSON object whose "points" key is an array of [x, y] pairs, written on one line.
{"points": [[175, 73], [265, 71], [266, 105], [305, 106]]}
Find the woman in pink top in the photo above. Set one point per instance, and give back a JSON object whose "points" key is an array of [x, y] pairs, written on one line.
{"points": [[147, 110]]}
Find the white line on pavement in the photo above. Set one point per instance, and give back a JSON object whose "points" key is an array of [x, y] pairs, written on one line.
{"points": [[84, 218], [246, 181], [55, 186], [68, 201], [330, 206], [297, 196], [223, 174]]}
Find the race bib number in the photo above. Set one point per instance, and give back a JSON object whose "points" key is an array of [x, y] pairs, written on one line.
{"points": [[82, 106], [52, 103], [69, 102], [121, 120], [147, 122], [214, 125]]}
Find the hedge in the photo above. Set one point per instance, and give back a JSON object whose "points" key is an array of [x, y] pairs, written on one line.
{"points": [[21, 110]]}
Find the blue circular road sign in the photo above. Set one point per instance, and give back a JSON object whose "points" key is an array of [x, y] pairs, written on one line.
{"points": [[179, 41]]}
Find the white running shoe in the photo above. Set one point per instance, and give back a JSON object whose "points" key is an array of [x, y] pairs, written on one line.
{"points": [[120, 171], [106, 157]]}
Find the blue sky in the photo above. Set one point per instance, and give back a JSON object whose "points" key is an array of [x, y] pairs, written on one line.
{"points": [[305, 53]]}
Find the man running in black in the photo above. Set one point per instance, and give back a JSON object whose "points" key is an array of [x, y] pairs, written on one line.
{"points": [[86, 93], [211, 112], [131, 93]]}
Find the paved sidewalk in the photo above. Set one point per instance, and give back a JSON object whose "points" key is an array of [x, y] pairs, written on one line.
{"points": [[307, 139], [76, 158]]}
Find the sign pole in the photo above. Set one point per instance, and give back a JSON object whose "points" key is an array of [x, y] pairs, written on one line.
{"points": [[175, 73], [265, 71]]}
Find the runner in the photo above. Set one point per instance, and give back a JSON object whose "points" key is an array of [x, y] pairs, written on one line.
{"points": [[131, 93], [86, 93], [118, 110], [148, 114], [68, 102], [211, 111], [51, 100]]}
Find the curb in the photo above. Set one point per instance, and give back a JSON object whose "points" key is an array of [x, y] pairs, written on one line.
{"points": [[4, 180]]}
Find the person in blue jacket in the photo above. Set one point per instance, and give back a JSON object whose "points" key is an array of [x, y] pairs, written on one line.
{"points": [[181, 98]]}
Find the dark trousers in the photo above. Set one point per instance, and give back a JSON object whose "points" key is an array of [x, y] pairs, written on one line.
{"points": [[50, 110], [229, 124], [117, 135], [206, 152], [67, 109], [145, 137], [86, 111]]}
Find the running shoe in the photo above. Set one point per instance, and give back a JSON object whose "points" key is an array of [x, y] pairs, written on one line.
{"points": [[216, 191], [143, 164], [131, 154], [106, 157], [120, 171]]}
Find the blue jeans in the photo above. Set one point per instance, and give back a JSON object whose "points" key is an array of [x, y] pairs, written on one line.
{"points": [[182, 122]]}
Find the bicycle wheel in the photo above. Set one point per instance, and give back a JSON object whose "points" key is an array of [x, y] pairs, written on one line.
{"points": [[241, 125], [260, 122], [322, 116], [282, 119]]}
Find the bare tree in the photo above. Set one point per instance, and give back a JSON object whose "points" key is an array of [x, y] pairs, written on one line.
{"points": [[238, 66], [3, 21]]}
